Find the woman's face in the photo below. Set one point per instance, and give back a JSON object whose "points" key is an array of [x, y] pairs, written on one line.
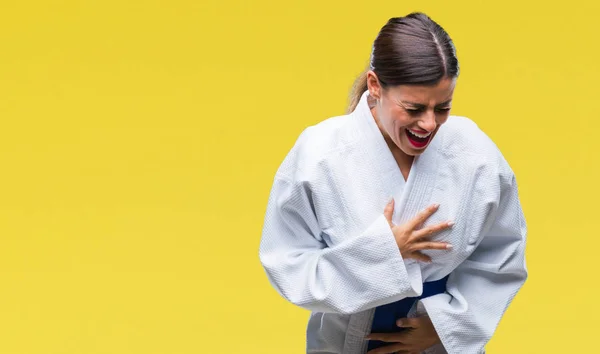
{"points": [[411, 115]]}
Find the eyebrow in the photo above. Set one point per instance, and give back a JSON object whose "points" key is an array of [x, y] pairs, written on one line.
{"points": [[420, 105]]}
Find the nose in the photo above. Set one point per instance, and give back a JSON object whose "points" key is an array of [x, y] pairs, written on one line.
{"points": [[428, 122]]}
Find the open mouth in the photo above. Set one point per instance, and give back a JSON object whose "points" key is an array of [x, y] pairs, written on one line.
{"points": [[418, 140]]}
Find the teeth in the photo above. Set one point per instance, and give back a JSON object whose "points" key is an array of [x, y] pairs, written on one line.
{"points": [[422, 136]]}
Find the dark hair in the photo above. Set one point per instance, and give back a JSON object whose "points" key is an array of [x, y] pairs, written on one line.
{"points": [[410, 50]]}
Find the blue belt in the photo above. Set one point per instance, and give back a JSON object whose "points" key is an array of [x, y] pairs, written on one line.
{"points": [[384, 320]]}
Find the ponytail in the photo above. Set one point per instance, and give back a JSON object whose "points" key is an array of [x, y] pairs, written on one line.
{"points": [[359, 87]]}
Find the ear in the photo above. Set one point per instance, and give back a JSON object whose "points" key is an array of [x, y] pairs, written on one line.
{"points": [[373, 85]]}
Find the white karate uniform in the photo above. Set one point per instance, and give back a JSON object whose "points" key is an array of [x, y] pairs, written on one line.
{"points": [[327, 247]]}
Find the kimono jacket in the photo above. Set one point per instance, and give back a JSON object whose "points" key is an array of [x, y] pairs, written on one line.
{"points": [[326, 245]]}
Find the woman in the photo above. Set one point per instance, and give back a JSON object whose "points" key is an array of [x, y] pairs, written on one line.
{"points": [[397, 225]]}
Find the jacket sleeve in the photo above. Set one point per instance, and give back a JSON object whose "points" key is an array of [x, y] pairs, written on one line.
{"points": [[482, 287], [364, 271]]}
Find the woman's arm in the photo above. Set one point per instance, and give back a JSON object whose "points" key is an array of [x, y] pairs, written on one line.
{"points": [[365, 271], [481, 288]]}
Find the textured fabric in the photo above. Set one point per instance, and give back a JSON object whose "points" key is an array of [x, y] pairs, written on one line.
{"points": [[327, 247], [385, 316]]}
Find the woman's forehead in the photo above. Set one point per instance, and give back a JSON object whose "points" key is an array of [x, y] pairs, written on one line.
{"points": [[424, 95]]}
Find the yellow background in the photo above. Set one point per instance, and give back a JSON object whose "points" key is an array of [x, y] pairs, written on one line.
{"points": [[139, 139]]}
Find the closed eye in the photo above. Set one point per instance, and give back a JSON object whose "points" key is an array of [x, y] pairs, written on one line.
{"points": [[414, 111], [418, 111]]}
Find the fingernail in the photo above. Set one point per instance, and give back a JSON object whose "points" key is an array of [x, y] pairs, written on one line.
{"points": [[450, 223], [399, 323], [436, 205], [449, 246]]}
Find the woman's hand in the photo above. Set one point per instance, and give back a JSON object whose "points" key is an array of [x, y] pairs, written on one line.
{"points": [[412, 240], [418, 335]]}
